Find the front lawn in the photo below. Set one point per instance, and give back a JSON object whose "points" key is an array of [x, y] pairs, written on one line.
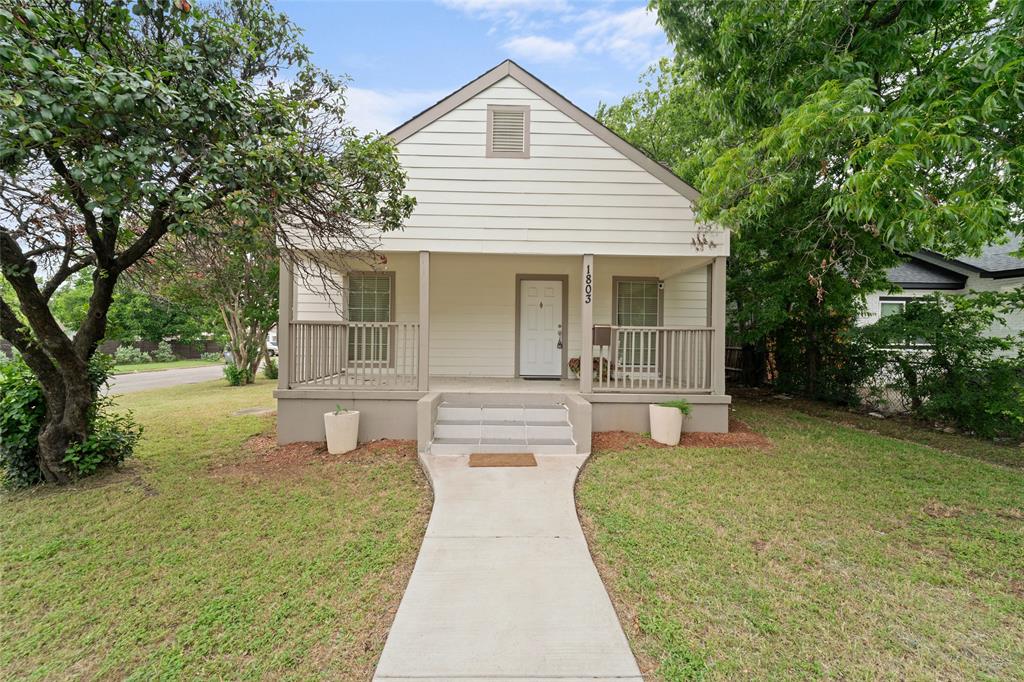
{"points": [[837, 553], [158, 366], [205, 559]]}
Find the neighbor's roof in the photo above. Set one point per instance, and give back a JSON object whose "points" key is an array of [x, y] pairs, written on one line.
{"points": [[918, 274], [995, 261], [509, 68]]}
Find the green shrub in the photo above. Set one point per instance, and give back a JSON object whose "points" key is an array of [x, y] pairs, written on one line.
{"points": [[270, 369], [130, 355], [163, 353], [681, 405], [211, 357], [237, 376], [21, 413], [111, 437], [946, 366]]}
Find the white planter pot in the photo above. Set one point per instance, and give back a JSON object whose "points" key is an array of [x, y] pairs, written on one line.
{"points": [[666, 424], [342, 431]]}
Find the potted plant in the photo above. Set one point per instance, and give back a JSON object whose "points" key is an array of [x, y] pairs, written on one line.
{"points": [[342, 427], [667, 421]]}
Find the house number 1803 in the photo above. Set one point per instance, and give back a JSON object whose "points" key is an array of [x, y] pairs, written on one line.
{"points": [[588, 286]]}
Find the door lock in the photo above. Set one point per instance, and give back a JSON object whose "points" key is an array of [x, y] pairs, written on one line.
{"points": [[559, 345]]}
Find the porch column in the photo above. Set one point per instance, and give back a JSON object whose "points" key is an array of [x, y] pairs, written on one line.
{"points": [[587, 325], [423, 361], [286, 295], [716, 283]]}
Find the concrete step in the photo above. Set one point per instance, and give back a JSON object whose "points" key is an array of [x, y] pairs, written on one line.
{"points": [[462, 446]]}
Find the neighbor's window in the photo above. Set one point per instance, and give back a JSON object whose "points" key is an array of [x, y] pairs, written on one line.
{"points": [[508, 131], [369, 300], [893, 307]]}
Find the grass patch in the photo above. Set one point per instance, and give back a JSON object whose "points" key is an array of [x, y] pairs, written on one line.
{"points": [[914, 431], [170, 569], [838, 553], [158, 366]]}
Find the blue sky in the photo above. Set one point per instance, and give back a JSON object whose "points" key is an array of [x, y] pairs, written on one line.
{"points": [[404, 55]]}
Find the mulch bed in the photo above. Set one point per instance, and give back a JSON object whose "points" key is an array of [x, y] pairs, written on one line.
{"points": [[263, 457], [740, 436]]}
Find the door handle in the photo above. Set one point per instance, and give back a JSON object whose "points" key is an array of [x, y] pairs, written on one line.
{"points": [[559, 344]]}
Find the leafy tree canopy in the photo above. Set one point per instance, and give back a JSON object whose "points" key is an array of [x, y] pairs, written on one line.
{"points": [[901, 118], [122, 123]]}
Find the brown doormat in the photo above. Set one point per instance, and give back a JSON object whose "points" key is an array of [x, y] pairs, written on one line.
{"points": [[502, 459]]}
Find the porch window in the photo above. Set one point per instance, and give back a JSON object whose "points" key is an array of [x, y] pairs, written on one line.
{"points": [[638, 304], [370, 299]]}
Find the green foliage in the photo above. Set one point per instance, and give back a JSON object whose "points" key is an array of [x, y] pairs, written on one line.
{"points": [[163, 353], [134, 314], [211, 357], [681, 405], [130, 355], [110, 439], [941, 357], [898, 119], [270, 369], [21, 412], [237, 376]]}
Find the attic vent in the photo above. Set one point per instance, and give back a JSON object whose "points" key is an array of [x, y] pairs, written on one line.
{"points": [[508, 131]]}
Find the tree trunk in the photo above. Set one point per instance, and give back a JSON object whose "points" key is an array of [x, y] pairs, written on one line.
{"points": [[66, 422]]}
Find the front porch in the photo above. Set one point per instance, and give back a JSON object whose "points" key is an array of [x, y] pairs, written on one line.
{"points": [[503, 327]]}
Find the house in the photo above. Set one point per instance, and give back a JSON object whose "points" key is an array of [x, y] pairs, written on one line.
{"points": [[927, 272], [541, 243]]}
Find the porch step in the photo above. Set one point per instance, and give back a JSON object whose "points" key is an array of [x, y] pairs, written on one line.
{"points": [[541, 427], [462, 446]]}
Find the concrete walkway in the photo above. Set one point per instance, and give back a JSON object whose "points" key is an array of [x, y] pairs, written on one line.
{"points": [[504, 587]]}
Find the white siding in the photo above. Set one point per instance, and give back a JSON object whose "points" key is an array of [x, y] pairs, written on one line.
{"points": [[1014, 323], [574, 195]]}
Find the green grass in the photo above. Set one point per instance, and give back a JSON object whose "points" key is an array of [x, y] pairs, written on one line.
{"points": [[838, 553], [197, 561], [158, 366]]}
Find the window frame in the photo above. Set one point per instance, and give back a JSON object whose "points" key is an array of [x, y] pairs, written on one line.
{"points": [[617, 280], [652, 365], [389, 275], [488, 142], [891, 300]]}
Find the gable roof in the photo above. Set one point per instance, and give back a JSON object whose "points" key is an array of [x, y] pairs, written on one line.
{"points": [[996, 261], [509, 68]]}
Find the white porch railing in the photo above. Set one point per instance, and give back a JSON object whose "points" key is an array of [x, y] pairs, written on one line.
{"points": [[653, 359], [377, 355]]}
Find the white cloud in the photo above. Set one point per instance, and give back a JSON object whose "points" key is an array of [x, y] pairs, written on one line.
{"points": [[540, 48], [516, 14], [632, 36], [370, 110]]}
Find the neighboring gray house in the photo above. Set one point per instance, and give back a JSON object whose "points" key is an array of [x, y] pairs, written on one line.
{"points": [[541, 243], [926, 272]]}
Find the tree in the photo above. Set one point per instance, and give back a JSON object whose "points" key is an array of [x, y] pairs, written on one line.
{"points": [[134, 313], [122, 125], [235, 273], [794, 283], [830, 136], [907, 116]]}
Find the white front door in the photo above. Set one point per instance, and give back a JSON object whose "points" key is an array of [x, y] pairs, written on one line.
{"points": [[540, 328]]}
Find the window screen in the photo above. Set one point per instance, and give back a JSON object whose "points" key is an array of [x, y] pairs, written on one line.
{"points": [[369, 300], [636, 303]]}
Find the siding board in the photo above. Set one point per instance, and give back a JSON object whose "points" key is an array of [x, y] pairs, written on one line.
{"points": [[575, 194]]}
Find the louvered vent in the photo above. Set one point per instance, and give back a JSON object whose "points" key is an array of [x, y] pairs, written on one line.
{"points": [[509, 131]]}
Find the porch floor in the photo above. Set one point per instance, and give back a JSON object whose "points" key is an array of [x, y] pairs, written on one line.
{"points": [[503, 385]]}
